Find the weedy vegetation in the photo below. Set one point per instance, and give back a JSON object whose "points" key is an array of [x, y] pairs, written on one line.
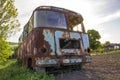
{"points": [[93, 53], [12, 70]]}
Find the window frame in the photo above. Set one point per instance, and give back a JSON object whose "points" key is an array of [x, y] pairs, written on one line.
{"points": [[63, 21]]}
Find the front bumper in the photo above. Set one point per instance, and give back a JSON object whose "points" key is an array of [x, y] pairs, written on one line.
{"points": [[57, 62]]}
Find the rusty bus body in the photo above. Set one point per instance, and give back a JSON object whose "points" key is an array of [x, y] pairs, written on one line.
{"points": [[50, 39]]}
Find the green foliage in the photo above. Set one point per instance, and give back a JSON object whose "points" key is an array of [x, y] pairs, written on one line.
{"points": [[104, 52], [16, 72], [107, 43], [8, 26], [7, 63], [5, 50], [94, 37], [14, 47], [8, 22], [13, 43]]}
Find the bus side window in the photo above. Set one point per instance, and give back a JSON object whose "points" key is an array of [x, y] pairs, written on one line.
{"points": [[30, 25]]}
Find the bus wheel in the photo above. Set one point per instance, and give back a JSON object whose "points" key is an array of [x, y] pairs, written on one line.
{"points": [[29, 64]]}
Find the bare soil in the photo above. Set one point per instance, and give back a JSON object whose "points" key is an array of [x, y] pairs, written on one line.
{"points": [[103, 67]]}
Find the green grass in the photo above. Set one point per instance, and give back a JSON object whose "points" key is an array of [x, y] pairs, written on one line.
{"points": [[106, 52], [7, 63], [12, 70], [13, 43]]}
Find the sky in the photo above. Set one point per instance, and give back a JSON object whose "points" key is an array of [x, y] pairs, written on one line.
{"points": [[101, 15]]}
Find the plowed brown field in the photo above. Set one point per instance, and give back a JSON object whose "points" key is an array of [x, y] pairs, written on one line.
{"points": [[103, 67]]}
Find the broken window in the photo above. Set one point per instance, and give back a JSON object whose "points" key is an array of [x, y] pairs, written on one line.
{"points": [[69, 44]]}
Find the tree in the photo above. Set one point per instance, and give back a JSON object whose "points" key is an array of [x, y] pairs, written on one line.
{"points": [[8, 25], [107, 43], [94, 37], [5, 50], [8, 21]]}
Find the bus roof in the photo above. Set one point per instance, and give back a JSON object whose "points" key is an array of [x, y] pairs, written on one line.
{"points": [[72, 17]]}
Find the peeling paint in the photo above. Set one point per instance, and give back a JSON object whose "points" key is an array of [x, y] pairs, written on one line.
{"points": [[52, 45], [62, 34], [75, 60], [70, 51], [74, 35], [49, 36], [45, 61], [58, 34], [85, 41]]}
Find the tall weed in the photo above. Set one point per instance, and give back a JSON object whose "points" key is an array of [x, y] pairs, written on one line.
{"points": [[17, 72]]}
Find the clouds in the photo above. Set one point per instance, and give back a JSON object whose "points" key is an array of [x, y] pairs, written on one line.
{"points": [[103, 11], [97, 14], [105, 17], [109, 11], [109, 17]]}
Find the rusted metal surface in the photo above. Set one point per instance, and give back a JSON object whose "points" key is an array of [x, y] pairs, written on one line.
{"points": [[45, 46], [66, 35], [49, 37], [75, 35], [85, 41]]}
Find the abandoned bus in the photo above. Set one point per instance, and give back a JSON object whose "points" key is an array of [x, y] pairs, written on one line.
{"points": [[54, 38]]}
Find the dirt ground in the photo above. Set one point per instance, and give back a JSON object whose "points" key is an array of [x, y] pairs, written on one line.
{"points": [[103, 67]]}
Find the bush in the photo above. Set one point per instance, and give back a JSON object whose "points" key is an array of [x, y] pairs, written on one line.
{"points": [[17, 72]]}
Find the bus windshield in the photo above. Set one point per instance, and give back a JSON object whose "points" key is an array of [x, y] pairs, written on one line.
{"points": [[49, 19]]}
